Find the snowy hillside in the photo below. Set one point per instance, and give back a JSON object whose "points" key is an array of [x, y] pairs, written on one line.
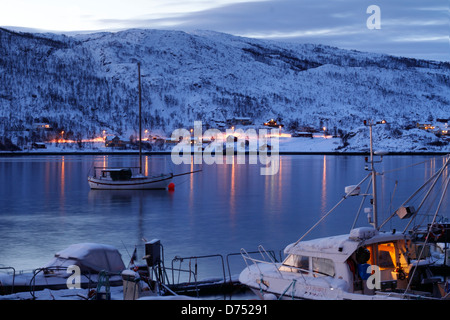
{"points": [[88, 83]]}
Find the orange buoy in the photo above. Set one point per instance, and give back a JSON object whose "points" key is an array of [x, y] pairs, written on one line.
{"points": [[171, 186]]}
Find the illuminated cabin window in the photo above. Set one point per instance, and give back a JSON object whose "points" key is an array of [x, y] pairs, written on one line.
{"points": [[386, 255]]}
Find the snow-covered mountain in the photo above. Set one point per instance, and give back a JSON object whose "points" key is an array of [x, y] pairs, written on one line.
{"points": [[85, 84]]}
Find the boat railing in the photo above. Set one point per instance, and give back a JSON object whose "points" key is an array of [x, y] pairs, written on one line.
{"points": [[192, 273], [13, 279], [54, 270], [301, 271], [246, 256]]}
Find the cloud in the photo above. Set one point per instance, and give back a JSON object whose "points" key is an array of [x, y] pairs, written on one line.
{"points": [[414, 28], [405, 27]]}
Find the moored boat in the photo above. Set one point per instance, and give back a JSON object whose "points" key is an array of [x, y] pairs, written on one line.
{"points": [[367, 263], [123, 179]]}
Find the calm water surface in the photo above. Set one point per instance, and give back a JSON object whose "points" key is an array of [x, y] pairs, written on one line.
{"points": [[46, 204]]}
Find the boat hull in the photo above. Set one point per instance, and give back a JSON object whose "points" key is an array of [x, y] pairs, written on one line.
{"points": [[141, 183], [28, 282], [269, 284]]}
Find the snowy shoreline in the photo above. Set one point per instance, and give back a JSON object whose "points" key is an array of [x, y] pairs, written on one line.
{"points": [[101, 153], [418, 143]]}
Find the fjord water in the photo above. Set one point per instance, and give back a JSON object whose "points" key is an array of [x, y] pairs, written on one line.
{"points": [[46, 205]]}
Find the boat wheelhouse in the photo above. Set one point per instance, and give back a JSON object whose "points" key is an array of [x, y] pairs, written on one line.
{"points": [[337, 267]]}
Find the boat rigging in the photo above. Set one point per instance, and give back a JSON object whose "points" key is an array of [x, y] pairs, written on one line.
{"points": [[124, 178], [366, 263]]}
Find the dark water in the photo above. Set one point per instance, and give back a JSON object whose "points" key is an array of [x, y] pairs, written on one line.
{"points": [[46, 205]]}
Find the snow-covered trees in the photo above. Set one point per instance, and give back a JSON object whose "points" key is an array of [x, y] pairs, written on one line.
{"points": [[88, 83]]}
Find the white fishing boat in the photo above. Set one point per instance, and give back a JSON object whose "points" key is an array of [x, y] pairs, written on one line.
{"points": [[367, 263], [105, 178]]}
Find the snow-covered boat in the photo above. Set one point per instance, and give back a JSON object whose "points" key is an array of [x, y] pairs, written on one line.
{"points": [[78, 266], [366, 263]]}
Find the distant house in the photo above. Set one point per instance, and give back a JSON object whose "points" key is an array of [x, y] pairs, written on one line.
{"points": [[38, 145], [245, 121], [42, 126], [305, 134], [174, 141], [193, 140], [425, 126], [307, 129], [273, 123], [115, 142]]}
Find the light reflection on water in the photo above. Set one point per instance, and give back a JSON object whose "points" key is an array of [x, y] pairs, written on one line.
{"points": [[46, 204]]}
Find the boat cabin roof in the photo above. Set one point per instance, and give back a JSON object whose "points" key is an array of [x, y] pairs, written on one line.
{"points": [[115, 169], [340, 247]]}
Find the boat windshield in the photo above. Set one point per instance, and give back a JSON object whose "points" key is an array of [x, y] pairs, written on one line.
{"points": [[297, 263]]}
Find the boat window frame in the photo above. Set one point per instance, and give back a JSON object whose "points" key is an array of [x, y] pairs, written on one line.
{"points": [[324, 264], [312, 261], [394, 254], [296, 268]]}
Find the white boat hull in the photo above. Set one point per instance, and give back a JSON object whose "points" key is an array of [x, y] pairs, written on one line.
{"points": [[289, 286], [138, 183]]}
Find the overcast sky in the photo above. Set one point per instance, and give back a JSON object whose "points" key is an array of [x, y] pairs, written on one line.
{"points": [[413, 28]]}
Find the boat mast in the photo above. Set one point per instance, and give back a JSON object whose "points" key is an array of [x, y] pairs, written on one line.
{"points": [[370, 123], [374, 182], [140, 128]]}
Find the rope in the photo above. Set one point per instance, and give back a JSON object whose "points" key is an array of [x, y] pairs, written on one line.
{"points": [[428, 234], [411, 165], [292, 284], [103, 281]]}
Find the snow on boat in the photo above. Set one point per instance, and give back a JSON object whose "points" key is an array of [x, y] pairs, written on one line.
{"points": [[335, 268], [90, 259]]}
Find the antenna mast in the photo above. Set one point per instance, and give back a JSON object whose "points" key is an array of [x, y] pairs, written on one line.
{"points": [[140, 128], [370, 123]]}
